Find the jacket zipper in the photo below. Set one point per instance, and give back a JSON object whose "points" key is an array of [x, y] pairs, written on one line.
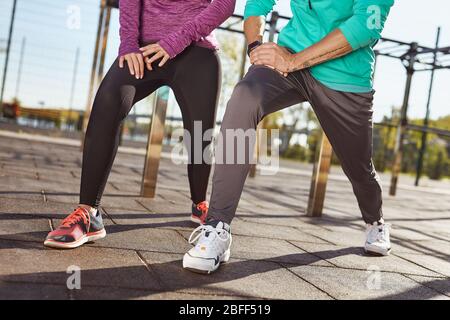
{"points": [[310, 5]]}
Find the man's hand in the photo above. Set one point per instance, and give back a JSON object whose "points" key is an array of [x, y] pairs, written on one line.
{"points": [[135, 63], [273, 56], [158, 53]]}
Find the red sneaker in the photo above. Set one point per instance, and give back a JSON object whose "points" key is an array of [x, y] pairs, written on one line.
{"points": [[200, 212], [77, 229]]}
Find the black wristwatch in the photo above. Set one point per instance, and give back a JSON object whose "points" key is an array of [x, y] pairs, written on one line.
{"points": [[253, 46]]}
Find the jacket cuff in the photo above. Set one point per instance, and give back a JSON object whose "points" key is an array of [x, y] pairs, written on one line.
{"points": [[126, 49], [173, 52], [356, 34]]}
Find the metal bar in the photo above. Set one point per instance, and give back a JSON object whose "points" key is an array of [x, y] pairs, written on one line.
{"points": [[94, 67], [101, 66], [319, 178], [384, 39], [8, 50], [19, 71], [423, 145], [74, 81], [154, 143], [113, 3], [436, 131], [402, 127], [243, 62]]}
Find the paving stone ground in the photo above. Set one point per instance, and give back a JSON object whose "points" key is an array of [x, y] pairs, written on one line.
{"points": [[277, 253]]}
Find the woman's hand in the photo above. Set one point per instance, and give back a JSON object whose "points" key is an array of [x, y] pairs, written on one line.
{"points": [[273, 56], [135, 63], [158, 53]]}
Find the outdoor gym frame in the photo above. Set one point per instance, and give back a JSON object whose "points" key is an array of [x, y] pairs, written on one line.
{"points": [[410, 54]]}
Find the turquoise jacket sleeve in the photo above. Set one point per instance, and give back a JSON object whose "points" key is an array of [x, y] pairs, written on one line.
{"points": [[256, 8], [364, 27]]}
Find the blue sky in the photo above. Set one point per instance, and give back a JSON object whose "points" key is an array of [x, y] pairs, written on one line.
{"points": [[51, 45]]}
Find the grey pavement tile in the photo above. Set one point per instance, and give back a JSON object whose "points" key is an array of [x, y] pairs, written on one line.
{"points": [[438, 264], [174, 221], [32, 291], [272, 250], [410, 234], [342, 237], [125, 201], [281, 219], [254, 278], [173, 197], [71, 198], [16, 172], [273, 232], [19, 188], [437, 248], [272, 198], [160, 205], [34, 208], [441, 285], [143, 237], [352, 257], [353, 284], [119, 188], [124, 180], [124, 213], [59, 176], [438, 229], [59, 187], [33, 263], [105, 293], [25, 228]]}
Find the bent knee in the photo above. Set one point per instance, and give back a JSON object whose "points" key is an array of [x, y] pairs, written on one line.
{"points": [[114, 101], [244, 106]]}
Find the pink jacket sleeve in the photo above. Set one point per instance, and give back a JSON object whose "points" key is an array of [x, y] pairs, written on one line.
{"points": [[129, 18], [208, 20]]}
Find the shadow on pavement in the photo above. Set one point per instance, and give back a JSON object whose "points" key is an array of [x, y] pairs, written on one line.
{"points": [[166, 276]]}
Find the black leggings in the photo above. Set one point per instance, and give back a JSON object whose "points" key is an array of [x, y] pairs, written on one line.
{"points": [[194, 76]]}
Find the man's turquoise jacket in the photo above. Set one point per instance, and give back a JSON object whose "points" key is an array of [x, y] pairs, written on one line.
{"points": [[361, 22]]}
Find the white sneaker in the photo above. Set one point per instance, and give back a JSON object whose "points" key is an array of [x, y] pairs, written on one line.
{"points": [[212, 247], [377, 239]]}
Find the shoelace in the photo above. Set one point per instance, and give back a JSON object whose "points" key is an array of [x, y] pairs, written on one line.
{"points": [[381, 232], [203, 206], [201, 231], [78, 214]]}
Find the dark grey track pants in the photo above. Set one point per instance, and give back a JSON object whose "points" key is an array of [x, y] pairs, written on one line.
{"points": [[345, 117]]}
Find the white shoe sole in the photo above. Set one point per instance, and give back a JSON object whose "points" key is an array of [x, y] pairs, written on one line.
{"points": [[376, 251], [201, 265], [94, 236]]}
